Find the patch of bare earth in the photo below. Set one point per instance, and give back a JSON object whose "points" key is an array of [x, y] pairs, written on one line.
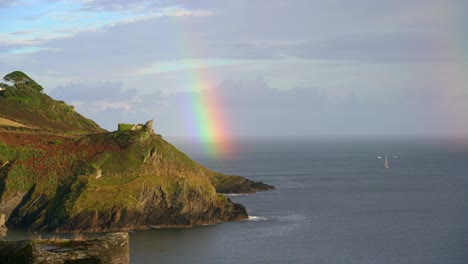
{"points": [[7, 122]]}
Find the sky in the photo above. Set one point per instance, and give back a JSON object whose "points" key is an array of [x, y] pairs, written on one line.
{"points": [[211, 68]]}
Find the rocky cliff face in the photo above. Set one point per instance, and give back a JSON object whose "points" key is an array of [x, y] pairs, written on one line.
{"points": [[107, 182]]}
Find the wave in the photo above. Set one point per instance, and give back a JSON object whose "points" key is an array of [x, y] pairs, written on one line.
{"points": [[257, 218], [235, 194]]}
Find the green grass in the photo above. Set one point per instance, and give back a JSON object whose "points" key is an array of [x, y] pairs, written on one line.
{"points": [[25, 103], [10, 153], [124, 127], [20, 179]]}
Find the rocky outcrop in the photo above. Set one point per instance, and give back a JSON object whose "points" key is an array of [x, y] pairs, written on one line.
{"points": [[112, 248], [149, 126], [230, 184]]}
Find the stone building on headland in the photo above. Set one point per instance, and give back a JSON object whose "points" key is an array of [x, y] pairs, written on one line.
{"points": [[148, 126]]}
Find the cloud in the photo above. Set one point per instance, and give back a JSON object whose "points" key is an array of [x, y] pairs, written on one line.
{"points": [[382, 46], [401, 46], [93, 92], [36, 23], [140, 5], [255, 108], [183, 65], [23, 50], [252, 94], [8, 3], [106, 102], [154, 8], [115, 5]]}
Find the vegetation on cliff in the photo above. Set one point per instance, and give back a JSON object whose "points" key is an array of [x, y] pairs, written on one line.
{"points": [[22, 101], [73, 176]]}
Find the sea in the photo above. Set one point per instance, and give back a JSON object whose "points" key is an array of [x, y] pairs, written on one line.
{"points": [[335, 203]]}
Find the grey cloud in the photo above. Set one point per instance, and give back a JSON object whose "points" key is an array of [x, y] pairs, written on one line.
{"points": [[4, 48], [109, 118], [388, 47], [108, 103], [31, 18], [395, 46], [257, 94], [254, 108], [114, 51], [142, 5], [115, 5], [7, 3], [93, 92], [22, 32], [246, 50], [125, 5], [257, 30]]}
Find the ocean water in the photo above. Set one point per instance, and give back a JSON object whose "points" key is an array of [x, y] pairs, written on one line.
{"points": [[334, 203]]}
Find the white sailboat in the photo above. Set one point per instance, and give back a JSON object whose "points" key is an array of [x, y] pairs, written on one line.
{"points": [[386, 162]]}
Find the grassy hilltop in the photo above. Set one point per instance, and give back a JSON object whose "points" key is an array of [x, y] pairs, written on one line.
{"points": [[61, 172], [23, 102]]}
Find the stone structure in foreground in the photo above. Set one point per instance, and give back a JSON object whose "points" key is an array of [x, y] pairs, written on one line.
{"points": [[112, 248], [3, 228]]}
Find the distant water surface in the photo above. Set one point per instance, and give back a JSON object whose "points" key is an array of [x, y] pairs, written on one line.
{"points": [[335, 203]]}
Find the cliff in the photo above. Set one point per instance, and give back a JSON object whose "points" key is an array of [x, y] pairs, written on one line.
{"points": [[85, 179]]}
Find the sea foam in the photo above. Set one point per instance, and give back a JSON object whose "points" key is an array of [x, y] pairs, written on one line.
{"points": [[257, 218]]}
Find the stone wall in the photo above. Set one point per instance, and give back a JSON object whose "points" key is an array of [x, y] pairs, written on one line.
{"points": [[112, 248]]}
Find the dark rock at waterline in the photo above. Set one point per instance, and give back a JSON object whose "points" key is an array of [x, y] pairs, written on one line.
{"points": [[112, 248], [231, 184]]}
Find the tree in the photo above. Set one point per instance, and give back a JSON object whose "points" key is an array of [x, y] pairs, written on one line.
{"points": [[19, 79]]}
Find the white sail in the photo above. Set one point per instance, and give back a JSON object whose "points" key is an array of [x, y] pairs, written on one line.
{"points": [[386, 162]]}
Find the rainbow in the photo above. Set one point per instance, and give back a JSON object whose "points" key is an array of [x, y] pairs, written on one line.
{"points": [[203, 109], [205, 117], [451, 76]]}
